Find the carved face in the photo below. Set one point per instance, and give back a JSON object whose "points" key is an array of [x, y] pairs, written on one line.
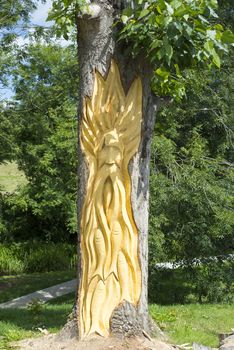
{"points": [[110, 150]]}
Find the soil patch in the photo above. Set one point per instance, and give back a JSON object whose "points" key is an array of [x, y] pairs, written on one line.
{"points": [[52, 342]]}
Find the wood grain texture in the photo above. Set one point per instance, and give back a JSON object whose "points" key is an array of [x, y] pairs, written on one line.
{"points": [[110, 136]]}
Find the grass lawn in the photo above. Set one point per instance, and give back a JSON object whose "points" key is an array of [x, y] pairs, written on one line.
{"points": [[182, 323], [15, 286], [11, 177], [190, 323], [19, 324]]}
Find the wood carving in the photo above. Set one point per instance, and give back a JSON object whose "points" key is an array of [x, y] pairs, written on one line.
{"points": [[110, 136]]}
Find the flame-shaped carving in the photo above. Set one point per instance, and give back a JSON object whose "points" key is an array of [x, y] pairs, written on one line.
{"points": [[110, 136]]}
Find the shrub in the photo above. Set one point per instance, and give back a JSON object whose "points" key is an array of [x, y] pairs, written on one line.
{"points": [[9, 263], [36, 256], [209, 282], [47, 257], [168, 286], [214, 281]]}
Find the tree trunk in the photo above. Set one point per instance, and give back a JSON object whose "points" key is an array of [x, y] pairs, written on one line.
{"points": [[97, 47]]}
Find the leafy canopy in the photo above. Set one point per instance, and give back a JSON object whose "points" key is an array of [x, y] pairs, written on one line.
{"points": [[192, 197], [40, 124], [64, 13], [14, 14], [13, 11], [175, 34]]}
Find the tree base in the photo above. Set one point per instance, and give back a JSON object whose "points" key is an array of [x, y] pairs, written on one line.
{"points": [[126, 322], [53, 342], [126, 334]]}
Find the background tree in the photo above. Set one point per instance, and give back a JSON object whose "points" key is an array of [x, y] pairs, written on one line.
{"points": [[191, 186], [13, 16], [42, 118]]}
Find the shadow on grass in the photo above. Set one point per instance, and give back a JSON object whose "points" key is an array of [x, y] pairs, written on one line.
{"points": [[170, 287], [15, 286], [51, 317]]}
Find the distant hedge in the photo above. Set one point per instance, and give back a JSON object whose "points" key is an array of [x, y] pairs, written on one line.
{"points": [[210, 282], [35, 256]]}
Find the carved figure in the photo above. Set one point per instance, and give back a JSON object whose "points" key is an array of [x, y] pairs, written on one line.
{"points": [[110, 136]]}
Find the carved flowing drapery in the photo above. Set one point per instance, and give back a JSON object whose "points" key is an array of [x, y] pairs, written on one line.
{"points": [[110, 136]]}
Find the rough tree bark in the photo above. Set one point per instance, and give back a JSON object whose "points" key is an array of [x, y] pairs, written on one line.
{"points": [[97, 45]]}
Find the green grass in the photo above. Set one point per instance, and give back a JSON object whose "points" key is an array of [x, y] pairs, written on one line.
{"points": [[11, 177], [19, 324], [182, 323], [14, 286], [190, 323]]}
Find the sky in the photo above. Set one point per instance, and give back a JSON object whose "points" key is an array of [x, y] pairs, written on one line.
{"points": [[38, 17]]}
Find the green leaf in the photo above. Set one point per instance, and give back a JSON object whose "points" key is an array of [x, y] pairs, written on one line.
{"points": [[175, 3], [170, 9], [214, 3], [160, 19], [216, 59], [177, 69], [169, 52], [159, 9], [53, 15], [209, 46], [128, 12], [155, 44], [124, 19], [181, 11], [227, 37], [163, 73], [218, 26], [144, 13]]}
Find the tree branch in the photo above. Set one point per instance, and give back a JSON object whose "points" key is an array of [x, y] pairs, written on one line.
{"points": [[91, 11]]}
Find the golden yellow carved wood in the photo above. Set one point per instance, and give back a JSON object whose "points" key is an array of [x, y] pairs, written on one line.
{"points": [[110, 136]]}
